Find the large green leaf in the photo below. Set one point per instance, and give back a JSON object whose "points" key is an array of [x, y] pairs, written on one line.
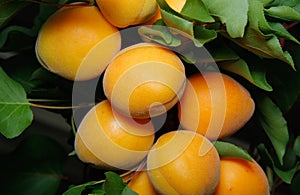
{"points": [[195, 9], [274, 124], [35, 167], [15, 112], [266, 46], [255, 75], [232, 13]]}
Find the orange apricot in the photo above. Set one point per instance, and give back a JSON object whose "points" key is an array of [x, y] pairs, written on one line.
{"points": [[112, 141], [144, 80], [77, 42], [214, 105], [183, 162], [141, 184], [240, 176], [127, 12]]}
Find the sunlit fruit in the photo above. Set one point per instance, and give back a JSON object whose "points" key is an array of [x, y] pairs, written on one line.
{"points": [[141, 184], [183, 162], [144, 80], [77, 43], [127, 12], [215, 105], [240, 176], [109, 140]]}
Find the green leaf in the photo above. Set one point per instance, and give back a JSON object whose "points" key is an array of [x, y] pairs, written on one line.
{"points": [[195, 9], [296, 146], [274, 124], [113, 183], [284, 13], [78, 189], [128, 191], [35, 167], [203, 35], [278, 29], [226, 149], [8, 9], [220, 51], [285, 175], [255, 75], [232, 13], [266, 46], [15, 112]]}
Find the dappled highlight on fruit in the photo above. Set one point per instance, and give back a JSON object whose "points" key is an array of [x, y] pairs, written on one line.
{"points": [[77, 36], [102, 141], [144, 79]]}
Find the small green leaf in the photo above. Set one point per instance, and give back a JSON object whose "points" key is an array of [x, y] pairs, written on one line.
{"points": [[78, 189], [226, 149], [203, 35], [15, 112], [255, 75], [195, 9], [114, 185], [220, 51], [296, 146], [284, 13], [232, 13], [274, 124]]}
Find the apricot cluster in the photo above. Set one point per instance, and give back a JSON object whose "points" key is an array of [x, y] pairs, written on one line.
{"points": [[142, 81]]}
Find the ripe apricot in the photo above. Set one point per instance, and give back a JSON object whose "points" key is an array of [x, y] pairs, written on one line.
{"points": [[127, 12], [240, 176], [141, 184], [109, 140], [183, 162], [144, 80], [77, 43], [214, 105]]}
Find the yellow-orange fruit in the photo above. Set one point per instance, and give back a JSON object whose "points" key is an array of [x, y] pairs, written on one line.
{"points": [[109, 140], [183, 162], [127, 12], [144, 80], [240, 176], [215, 105], [141, 184], [77, 42]]}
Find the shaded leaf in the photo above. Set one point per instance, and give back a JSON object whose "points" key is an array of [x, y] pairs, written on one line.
{"points": [[203, 35], [196, 10], [285, 175], [9, 8], [35, 167], [296, 146], [15, 112], [78, 189], [226, 149], [232, 13], [255, 75], [274, 125], [278, 29]]}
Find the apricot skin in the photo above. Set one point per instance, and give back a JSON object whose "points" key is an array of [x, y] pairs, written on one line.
{"points": [[183, 162], [127, 12], [240, 176], [141, 184], [215, 105], [144, 80], [109, 140], [77, 43]]}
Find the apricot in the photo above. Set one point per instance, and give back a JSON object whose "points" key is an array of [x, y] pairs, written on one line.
{"points": [[77, 43], [215, 105], [144, 80], [240, 176], [183, 162], [127, 12], [141, 184], [111, 141]]}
